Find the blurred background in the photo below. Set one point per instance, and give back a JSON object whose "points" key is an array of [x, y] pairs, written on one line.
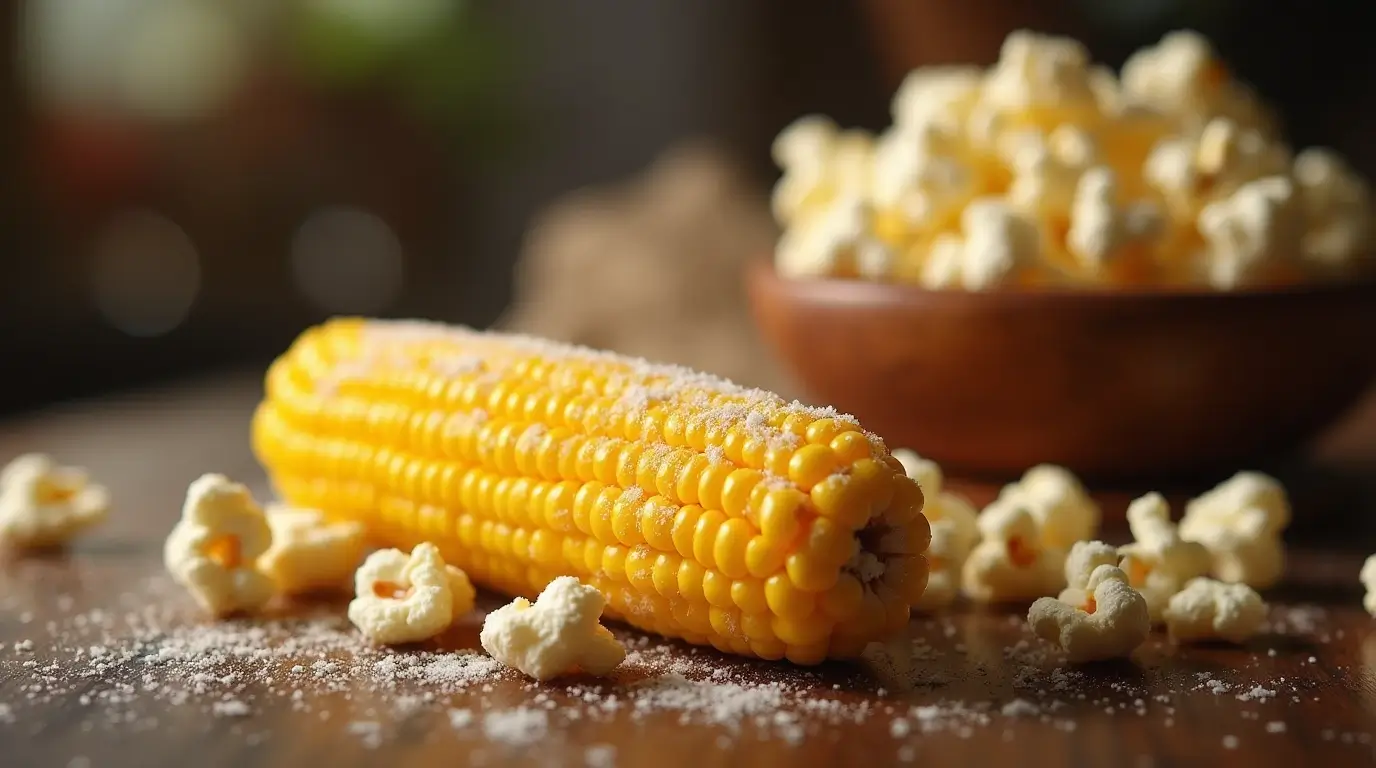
{"points": [[186, 184]]}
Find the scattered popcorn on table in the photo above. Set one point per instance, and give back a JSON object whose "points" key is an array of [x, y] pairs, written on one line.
{"points": [[1212, 610], [213, 550], [1111, 623], [1368, 579], [955, 531], [1064, 511], [1011, 563], [1151, 179], [1240, 523], [309, 551], [1159, 562], [401, 598], [44, 505], [557, 635]]}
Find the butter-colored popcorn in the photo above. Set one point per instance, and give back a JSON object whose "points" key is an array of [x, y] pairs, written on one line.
{"points": [[936, 95], [955, 531], [1183, 77], [1059, 504], [214, 548], [836, 240], [401, 598], [1337, 207], [998, 247], [1251, 234], [1084, 559], [1101, 229], [1011, 563], [557, 635], [309, 551], [1159, 562], [1240, 523], [1212, 610], [1368, 579], [1111, 623], [1047, 172], [1040, 73], [820, 163], [920, 175], [1189, 171], [43, 504]]}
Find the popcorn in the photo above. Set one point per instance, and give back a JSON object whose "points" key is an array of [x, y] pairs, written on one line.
{"points": [[557, 635], [936, 95], [1084, 558], [1182, 76], [999, 245], [835, 240], [309, 551], [214, 548], [1240, 523], [1059, 504], [1012, 562], [1368, 579], [1337, 206], [1111, 623], [1159, 562], [43, 504], [919, 175], [955, 531], [820, 163], [1040, 73], [1251, 232], [401, 598], [1101, 229], [1191, 171], [1211, 610]]}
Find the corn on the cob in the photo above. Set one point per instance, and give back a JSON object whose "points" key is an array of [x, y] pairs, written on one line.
{"points": [[701, 509]]}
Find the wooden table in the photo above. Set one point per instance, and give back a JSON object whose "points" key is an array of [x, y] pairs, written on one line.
{"points": [[103, 662]]}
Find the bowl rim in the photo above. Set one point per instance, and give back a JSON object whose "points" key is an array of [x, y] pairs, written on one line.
{"points": [[860, 291]]}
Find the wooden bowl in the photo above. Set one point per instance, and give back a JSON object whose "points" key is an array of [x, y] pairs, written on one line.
{"points": [[1122, 385]]}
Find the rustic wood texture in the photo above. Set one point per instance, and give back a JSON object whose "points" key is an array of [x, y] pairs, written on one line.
{"points": [[1319, 658], [1114, 385]]}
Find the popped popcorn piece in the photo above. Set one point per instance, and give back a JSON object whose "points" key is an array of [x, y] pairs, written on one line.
{"points": [[1046, 172], [401, 598], [1011, 563], [936, 95], [1212, 610], [820, 163], [1040, 73], [1062, 508], [1240, 523], [1112, 624], [1159, 562], [557, 635], [1252, 232], [1368, 579], [921, 176], [1190, 171], [213, 549], [1182, 76], [999, 245], [1084, 559], [836, 240], [1337, 206], [309, 551], [43, 504], [955, 531], [1100, 228]]}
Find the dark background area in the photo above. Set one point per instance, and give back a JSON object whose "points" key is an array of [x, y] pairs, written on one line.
{"points": [[390, 166]]}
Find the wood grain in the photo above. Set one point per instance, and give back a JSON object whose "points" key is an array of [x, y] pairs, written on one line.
{"points": [[1112, 385], [1320, 660]]}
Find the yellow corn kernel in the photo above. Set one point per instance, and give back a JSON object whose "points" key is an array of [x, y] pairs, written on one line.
{"points": [[702, 510]]}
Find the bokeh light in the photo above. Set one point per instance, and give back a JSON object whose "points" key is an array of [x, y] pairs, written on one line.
{"points": [[347, 260], [145, 274]]}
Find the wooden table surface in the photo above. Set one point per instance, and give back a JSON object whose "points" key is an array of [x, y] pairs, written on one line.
{"points": [[104, 663]]}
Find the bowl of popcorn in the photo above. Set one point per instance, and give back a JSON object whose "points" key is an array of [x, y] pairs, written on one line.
{"points": [[1130, 274]]}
